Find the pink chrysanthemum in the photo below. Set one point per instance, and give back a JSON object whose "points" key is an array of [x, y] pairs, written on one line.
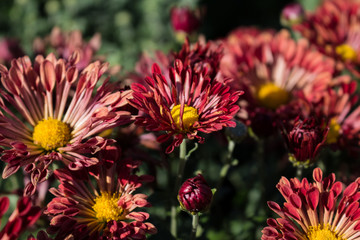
{"points": [[334, 28], [98, 202], [273, 70], [25, 215], [55, 121], [315, 210], [184, 104], [338, 106]]}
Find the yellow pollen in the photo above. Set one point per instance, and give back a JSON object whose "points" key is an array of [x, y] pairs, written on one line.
{"points": [[190, 116], [322, 233], [346, 52], [334, 132], [51, 134], [271, 96], [106, 207]]}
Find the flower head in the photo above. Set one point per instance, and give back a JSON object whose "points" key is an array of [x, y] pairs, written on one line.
{"points": [[195, 195], [337, 105], [25, 215], [57, 115], [315, 210], [274, 70], [334, 28], [107, 209], [184, 104], [304, 140]]}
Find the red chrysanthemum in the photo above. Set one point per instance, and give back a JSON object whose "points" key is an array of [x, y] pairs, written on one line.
{"points": [[315, 210], [57, 115], [183, 104], [273, 70], [98, 202], [334, 28], [337, 105], [304, 140]]}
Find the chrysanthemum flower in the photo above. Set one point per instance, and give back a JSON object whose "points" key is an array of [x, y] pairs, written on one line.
{"points": [[25, 215], [52, 120], [315, 211], [98, 202], [335, 29], [186, 103], [337, 105], [304, 140], [273, 69]]}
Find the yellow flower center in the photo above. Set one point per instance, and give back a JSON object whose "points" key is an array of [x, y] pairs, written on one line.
{"points": [[271, 96], [190, 116], [106, 207], [322, 233], [51, 134], [346, 52], [334, 132]]}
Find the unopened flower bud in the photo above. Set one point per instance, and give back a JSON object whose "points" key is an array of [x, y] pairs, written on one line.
{"points": [[184, 20], [195, 195], [292, 13], [305, 139]]}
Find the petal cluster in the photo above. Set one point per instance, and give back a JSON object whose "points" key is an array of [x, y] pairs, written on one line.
{"points": [[53, 90], [215, 103], [25, 215], [304, 140], [75, 209], [319, 208]]}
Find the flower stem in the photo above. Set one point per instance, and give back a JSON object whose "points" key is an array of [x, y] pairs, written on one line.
{"points": [[182, 162], [195, 223], [228, 162]]}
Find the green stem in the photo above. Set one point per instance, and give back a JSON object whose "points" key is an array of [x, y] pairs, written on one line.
{"points": [[195, 223], [180, 173], [228, 162]]}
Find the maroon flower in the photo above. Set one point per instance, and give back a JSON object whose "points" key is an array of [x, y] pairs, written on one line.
{"points": [[305, 139], [315, 210], [184, 104], [195, 195], [98, 202], [334, 28], [49, 112], [24, 216], [183, 19]]}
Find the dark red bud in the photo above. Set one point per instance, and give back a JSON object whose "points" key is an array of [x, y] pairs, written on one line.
{"points": [[195, 195], [183, 19]]}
